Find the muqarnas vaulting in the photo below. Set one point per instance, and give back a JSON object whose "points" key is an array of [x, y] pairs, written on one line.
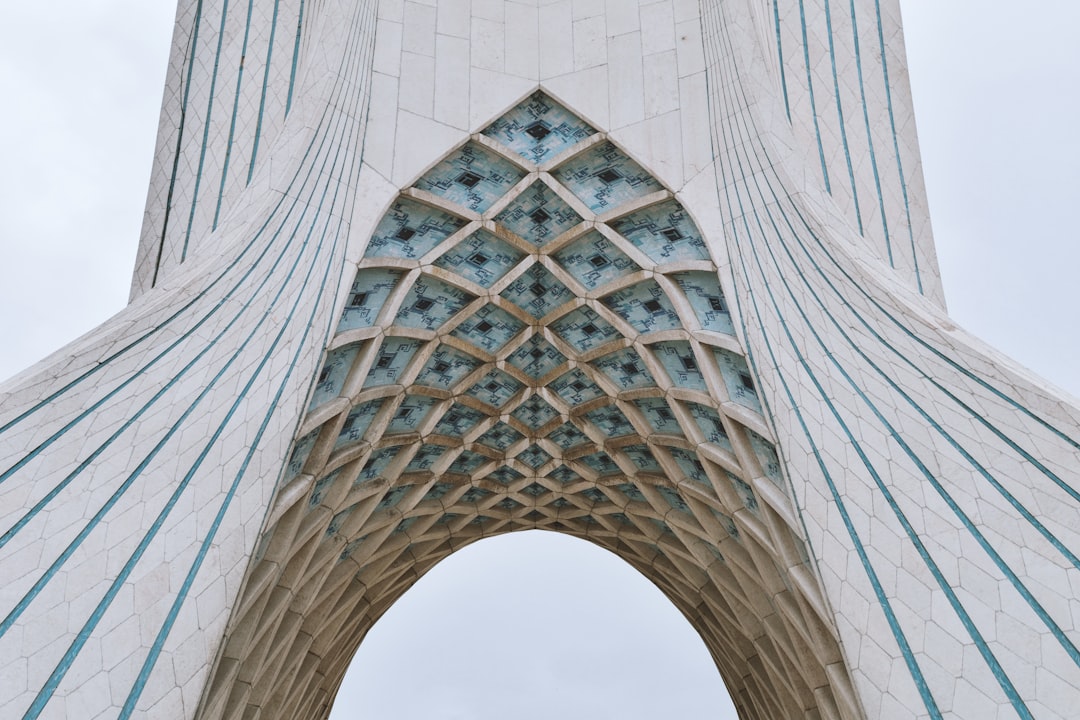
{"points": [[658, 276]]}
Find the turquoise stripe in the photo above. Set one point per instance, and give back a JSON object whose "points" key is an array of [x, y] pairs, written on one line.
{"points": [[896, 145], [206, 129], [295, 58], [953, 365], [780, 58], [106, 362], [262, 99], [1006, 685], [928, 476], [165, 630], [88, 412], [988, 656], [869, 136], [46, 692], [179, 141], [843, 125], [927, 376], [45, 579], [813, 105], [232, 122], [905, 649]]}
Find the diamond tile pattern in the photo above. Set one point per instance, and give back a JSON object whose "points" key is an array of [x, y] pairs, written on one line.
{"points": [[539, 129], [604, 178], [645, 306], [472, 177], [664, 232], [544, 383], [410, 229], [537, 292], [481, 257], [594, 260], [536, 358], [430, 303], [538, 215]]}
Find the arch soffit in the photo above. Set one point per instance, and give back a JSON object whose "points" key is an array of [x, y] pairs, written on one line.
{"points": [[535, 337]]}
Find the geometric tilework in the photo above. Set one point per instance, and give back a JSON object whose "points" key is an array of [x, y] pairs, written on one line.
{"points": [[538, 215], [471, 177], [538, 129], [539, 374], [537, 337], [410, 229], [481, 258], [594, 260], [604, 178], [664, 232]]}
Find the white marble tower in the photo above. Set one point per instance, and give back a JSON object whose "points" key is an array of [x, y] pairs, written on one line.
{"points": [[658, 275]]}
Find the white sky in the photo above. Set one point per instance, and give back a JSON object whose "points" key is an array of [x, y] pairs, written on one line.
{"points": [[997, 94]]}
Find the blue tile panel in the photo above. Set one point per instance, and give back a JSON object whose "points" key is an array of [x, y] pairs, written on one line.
{"points": [[535, 413], [738, 379], [536, 357], [538, 215], [322, 485], [430, 302], [745, 493], [391, 360], [377, 463], [437, 491], [576, 388], [500, 437], [703, 291], [472, 177], [659, 415], [489, 329], [301, 450], [645, 306], [410, 414], [642, 458], [604, 178], [481, 257], [564, 475], [766, 455], [610, 421], [333, 373], [459, 420], [446, 367], [673, 498], [626, 369], [712, 427], [568, 436], [537, 291], [357, 422], [425, 457], [505, 475], [367, 296], [467, 462], [539, 129], [584, 329], [601, 463], [533, 456], [593, 260], [691, 467], [664, 232], [410, 230], [678, 359], [494, 388]]}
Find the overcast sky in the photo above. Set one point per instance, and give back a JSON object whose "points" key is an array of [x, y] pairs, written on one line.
{"points": [[538, 616]]}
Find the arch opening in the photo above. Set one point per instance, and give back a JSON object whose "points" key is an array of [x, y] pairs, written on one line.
{"points": [[536, 338], [560, 632]]}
